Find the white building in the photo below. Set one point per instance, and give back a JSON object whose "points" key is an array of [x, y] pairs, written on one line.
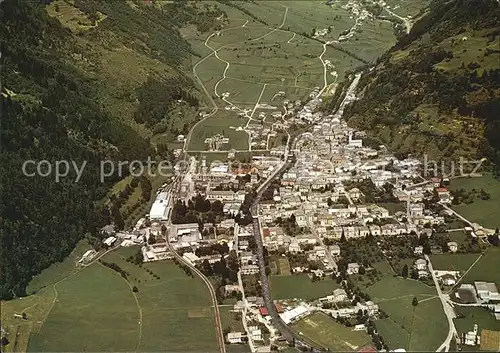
{"points": [[235, 337]]}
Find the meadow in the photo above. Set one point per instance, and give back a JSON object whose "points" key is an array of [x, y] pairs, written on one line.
{"points": [[169, 311], [486, 269], [301, 287], [323, 330], [453, 262], [480, 211], [468, 316], [416, 328], [267, 50]]}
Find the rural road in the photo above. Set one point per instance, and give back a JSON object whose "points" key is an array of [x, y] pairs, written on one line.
{"points": [[404, 19], [448, 310], [218, 324]]}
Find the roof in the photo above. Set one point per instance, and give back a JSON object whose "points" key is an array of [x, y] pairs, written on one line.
{"points": [[486, 286], [263, 311], [368, 349], [442, 190]]}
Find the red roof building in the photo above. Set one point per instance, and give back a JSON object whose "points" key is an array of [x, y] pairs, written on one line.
{"points": [[368, 349], [266, 232], [263, 311], [279, 308]]}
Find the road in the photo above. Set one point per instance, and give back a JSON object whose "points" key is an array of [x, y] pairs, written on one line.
{"points": [[325, 71], [218, 324], [242, 289], [406, 21], [448, 310], [329, 256]]}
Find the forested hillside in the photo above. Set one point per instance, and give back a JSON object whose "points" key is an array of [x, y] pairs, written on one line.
{"points": [[82, 81], [437, 91]]}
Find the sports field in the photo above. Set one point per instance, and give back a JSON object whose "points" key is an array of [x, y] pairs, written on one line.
{"points": [[300, 287], [170, 311], [484, 212], [323, 330]]}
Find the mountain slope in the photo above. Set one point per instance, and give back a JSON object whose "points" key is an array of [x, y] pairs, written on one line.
{"points": [[437, 91], [82, 81]]}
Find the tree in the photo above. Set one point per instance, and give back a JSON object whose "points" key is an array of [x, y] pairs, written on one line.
{"points": [[404, 272], [414, 301], [135, 289]]}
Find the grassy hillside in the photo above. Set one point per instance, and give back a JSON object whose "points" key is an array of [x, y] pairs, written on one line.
{"points": [[437, 91], [83, 80]]}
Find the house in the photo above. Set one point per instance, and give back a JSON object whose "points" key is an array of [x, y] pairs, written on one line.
{"points": [[263, 311], [230, 288], [235, 337], [352, 268], [335, 250], [444, 195], [453, 246], [418, 250], [339, 295], [255, 333], [421, 264], [448, 280], [249, 269]]}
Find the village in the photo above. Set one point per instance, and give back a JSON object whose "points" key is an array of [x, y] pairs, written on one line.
{"points": [[335, 191]]}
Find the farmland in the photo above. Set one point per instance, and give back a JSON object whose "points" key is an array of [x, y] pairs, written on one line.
{"points": [[301, 287], [480, 211], [486, 269], [105, 314], [324, 331], [468, 316], [422, 327], [266, 54], [453, 262]]}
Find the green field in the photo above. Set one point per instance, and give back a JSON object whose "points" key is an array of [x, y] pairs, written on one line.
{"points": [[419, 328], [486, 269], [453, 262], [170, 313], [484, 212], [393, 287], [301, 287], [480, 316], [58, 270], [220, 125], [94, 303], [274, 50], [326, 332]]}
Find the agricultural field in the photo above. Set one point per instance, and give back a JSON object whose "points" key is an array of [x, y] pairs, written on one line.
{"points": [[453, 262], [266, 56], [468, 316], [486, 269], [58, 271], [480, 211], [420, 328], [408, 326], [301, 287], [105, 314], [323, 330]]}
